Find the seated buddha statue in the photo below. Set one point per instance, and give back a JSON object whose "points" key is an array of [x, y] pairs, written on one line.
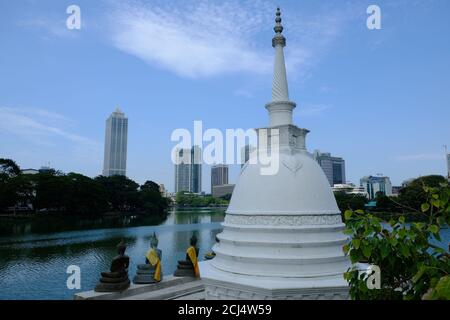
{"points": [[189, 267], [150, 272], [116, 280]]}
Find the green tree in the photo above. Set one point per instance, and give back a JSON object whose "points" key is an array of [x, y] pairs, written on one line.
{"points": [[121, 192], [51, 190], [85, 195], [151, 198], [150, 185], [385, 204], [350, 201], [412, 267], [413, 195], [8, 169]]}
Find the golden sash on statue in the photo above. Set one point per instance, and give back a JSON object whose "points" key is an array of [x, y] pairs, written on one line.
{"points": [[154, 260], [193, 256]]}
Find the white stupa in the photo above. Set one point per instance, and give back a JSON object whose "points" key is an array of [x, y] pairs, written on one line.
{"points": [[282, 236]]}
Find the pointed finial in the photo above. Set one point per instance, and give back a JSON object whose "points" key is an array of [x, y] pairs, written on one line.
{"points": [[279, 38], [278, 27]]}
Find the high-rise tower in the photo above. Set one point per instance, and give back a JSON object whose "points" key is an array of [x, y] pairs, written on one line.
{"points": [[219, 175], [116, 135], [188, 170]]}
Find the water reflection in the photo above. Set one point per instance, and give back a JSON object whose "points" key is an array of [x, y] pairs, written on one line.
{"points": [[35, 254]]}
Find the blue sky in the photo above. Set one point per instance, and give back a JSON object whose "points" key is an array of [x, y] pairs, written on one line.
{"points": [[378, 98]]}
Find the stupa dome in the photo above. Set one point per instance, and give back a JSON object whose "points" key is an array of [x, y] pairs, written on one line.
{"points": [[299, 187]]}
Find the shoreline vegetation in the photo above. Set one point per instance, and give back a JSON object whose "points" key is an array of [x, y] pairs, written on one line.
{"points": [[51, 192]]}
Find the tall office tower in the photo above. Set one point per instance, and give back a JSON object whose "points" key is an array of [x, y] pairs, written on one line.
{"points": [[374, 184], [219, 175], [116, 135], [188, 170], [334, 167]]}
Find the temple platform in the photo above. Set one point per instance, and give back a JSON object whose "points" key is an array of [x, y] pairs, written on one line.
{"points": [[170, 288]]}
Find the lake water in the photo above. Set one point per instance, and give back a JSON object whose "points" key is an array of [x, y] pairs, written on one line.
{"points": [[35, 254]]}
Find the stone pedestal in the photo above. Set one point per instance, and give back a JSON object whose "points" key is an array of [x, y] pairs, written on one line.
{"points": [[225, 286]]}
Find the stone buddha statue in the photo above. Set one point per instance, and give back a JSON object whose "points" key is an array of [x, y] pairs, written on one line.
{"points": [[150, 272], [116, 280], [189, 267]]}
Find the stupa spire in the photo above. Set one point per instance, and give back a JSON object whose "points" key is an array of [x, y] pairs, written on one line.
{"points": [[280, 86], [280, 108]]}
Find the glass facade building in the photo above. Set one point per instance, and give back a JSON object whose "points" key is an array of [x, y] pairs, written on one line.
{"points": [[333, 167], [116, 135], [372, 185], [188, 170], [219, 175]]}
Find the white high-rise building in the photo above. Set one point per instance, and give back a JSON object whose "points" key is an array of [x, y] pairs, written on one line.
{"points": [[188, 170], [116, 136]]}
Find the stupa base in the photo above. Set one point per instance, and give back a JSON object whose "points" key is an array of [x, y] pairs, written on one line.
{"points": [[221, 285]]}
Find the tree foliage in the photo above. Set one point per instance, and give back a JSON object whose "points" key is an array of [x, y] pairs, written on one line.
{"points": [[187, 199], [412, 267], [75, 193], [413, 195], [350, 201]]}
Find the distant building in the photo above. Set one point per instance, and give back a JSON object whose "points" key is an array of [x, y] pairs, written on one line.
{"points": [[407, 182], [162, 190], [29, 171], [222, 190], [116, 136], [396, 190], [45, 169], [188, 170], [334, 167], [219, 175], [350, 188], [374, 184]]}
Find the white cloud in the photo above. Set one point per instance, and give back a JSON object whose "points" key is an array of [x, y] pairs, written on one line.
{"points": [[53, 27], [312, 110], [207, 38], [243, 93], [40, 126]]}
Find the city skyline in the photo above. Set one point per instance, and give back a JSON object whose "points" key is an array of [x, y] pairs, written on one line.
{"points": [[374, 118]]}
